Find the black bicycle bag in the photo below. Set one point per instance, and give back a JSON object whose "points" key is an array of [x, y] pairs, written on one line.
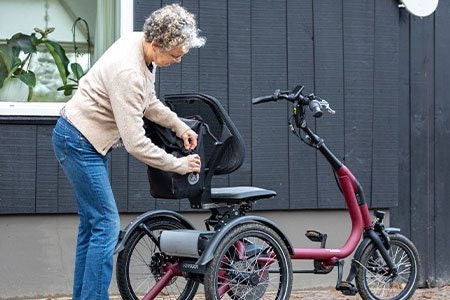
{"points": [[170, 185]]}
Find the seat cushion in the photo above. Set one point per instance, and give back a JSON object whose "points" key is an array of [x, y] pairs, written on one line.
{"points": [[240, 193]]}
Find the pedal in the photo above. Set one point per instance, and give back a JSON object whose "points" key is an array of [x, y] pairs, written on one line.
{"points": [[346, 288], [315, 236]]}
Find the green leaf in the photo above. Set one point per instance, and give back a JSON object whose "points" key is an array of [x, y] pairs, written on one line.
{"points": [[28, 78], [8, 63], [5, 64], [61, 60], [6, 57], [9, 60], [68, 89], [30, 93], [77, 70], [23, 42], [3, 74], [68, 92]]}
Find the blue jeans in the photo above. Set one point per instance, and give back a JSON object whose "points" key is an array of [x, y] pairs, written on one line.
{"points": [[87, 172]]}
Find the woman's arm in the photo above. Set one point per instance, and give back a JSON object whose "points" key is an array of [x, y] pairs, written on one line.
{"points": [[127, 97]]}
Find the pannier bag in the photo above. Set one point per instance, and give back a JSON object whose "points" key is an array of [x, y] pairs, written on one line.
{"points": [[170, 185]]}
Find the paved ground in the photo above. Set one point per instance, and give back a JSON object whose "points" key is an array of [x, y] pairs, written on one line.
{"points": [[442, 293]]}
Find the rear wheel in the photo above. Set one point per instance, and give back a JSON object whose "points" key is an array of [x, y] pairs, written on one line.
{"points": [[140, 265], [374, 282], [251, 262]]}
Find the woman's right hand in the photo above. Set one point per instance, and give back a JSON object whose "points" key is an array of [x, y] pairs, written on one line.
{"points": [[194, 163]]}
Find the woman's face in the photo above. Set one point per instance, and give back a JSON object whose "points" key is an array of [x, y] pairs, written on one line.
{"points": [[166, 58]]}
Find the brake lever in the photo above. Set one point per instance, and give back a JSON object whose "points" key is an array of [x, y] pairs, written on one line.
{"points": [[324, 103]]}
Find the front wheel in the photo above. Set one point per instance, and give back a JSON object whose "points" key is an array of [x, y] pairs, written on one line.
{"points": [[373, 280], [250, 263]]}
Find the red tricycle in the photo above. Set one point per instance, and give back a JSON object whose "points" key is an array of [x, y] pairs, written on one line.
{"points": [[242, 256]]}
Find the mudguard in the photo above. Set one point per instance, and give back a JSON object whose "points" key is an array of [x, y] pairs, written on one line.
{"points": [[125, 233], [392, 230], [366, 241], [208, 254]]}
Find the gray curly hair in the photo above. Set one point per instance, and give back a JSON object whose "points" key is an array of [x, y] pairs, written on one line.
{"points": [[172, 25]]}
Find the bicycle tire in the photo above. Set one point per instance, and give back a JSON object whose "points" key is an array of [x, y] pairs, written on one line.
{"points": [[372, 280]]}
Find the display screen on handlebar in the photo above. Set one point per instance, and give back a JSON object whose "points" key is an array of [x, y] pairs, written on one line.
{"points": [[298, 89]]}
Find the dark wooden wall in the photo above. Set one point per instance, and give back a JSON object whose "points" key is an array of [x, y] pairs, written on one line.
{"points": [[384, 72], [424, 140]]}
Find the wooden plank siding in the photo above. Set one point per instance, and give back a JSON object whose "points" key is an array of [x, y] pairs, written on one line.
{"points": [[46, 172], [18, 168], [359, 57], [329, 84], [385, 104], [239, 81], [424, 139], [442, 144], [269, 71], [422, 136], [300, 47]]}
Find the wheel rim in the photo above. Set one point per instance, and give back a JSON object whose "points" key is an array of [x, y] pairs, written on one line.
{"points": [[380, 283]]}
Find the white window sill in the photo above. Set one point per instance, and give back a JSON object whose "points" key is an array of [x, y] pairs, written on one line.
{"points": [[30, 108]]}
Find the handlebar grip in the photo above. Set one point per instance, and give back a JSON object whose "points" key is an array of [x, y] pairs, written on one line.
{"points": [[263, 99], [315, 107]]}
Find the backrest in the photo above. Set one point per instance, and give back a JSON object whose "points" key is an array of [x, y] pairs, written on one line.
{"points": [[224, 147]]}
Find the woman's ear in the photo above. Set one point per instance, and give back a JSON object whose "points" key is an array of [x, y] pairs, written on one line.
{"points": [[155, 46]]}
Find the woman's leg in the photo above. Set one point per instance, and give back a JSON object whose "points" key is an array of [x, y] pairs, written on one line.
{"points": [[99, 227], [84, 236]]}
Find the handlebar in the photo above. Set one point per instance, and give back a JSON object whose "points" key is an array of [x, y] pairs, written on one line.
{"points": [[314, 103], [263, 99], [270, 98]]}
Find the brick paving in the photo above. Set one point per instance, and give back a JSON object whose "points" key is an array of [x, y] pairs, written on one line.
{"points": [[439, 293]]}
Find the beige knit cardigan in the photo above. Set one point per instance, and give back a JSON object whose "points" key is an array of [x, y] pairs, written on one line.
{"points": [[114, 96]]}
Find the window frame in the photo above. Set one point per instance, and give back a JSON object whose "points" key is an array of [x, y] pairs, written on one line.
{"points": [[52, 109]]}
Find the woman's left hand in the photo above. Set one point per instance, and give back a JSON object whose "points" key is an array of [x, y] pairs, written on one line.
{"points": [[189, 138]]}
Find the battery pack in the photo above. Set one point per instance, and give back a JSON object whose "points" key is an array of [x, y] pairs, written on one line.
{"points": [[184, 242]]}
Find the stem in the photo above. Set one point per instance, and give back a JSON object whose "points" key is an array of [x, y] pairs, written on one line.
{"points": [[28, 60], [22, 65]]}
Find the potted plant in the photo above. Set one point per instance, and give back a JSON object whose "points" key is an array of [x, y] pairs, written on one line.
{"points": [[15, 57]]}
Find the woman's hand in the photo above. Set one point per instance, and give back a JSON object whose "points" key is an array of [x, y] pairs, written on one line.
{"points": [[189, 138], [194, 163]]}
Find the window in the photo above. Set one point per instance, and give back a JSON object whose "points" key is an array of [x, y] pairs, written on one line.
{"points": [[94, 25]]}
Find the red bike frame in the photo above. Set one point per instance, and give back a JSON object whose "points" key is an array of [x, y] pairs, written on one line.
{"points": [[359, 215]]}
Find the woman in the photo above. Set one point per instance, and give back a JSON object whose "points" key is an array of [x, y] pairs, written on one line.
{"points": [[107, 112]]}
